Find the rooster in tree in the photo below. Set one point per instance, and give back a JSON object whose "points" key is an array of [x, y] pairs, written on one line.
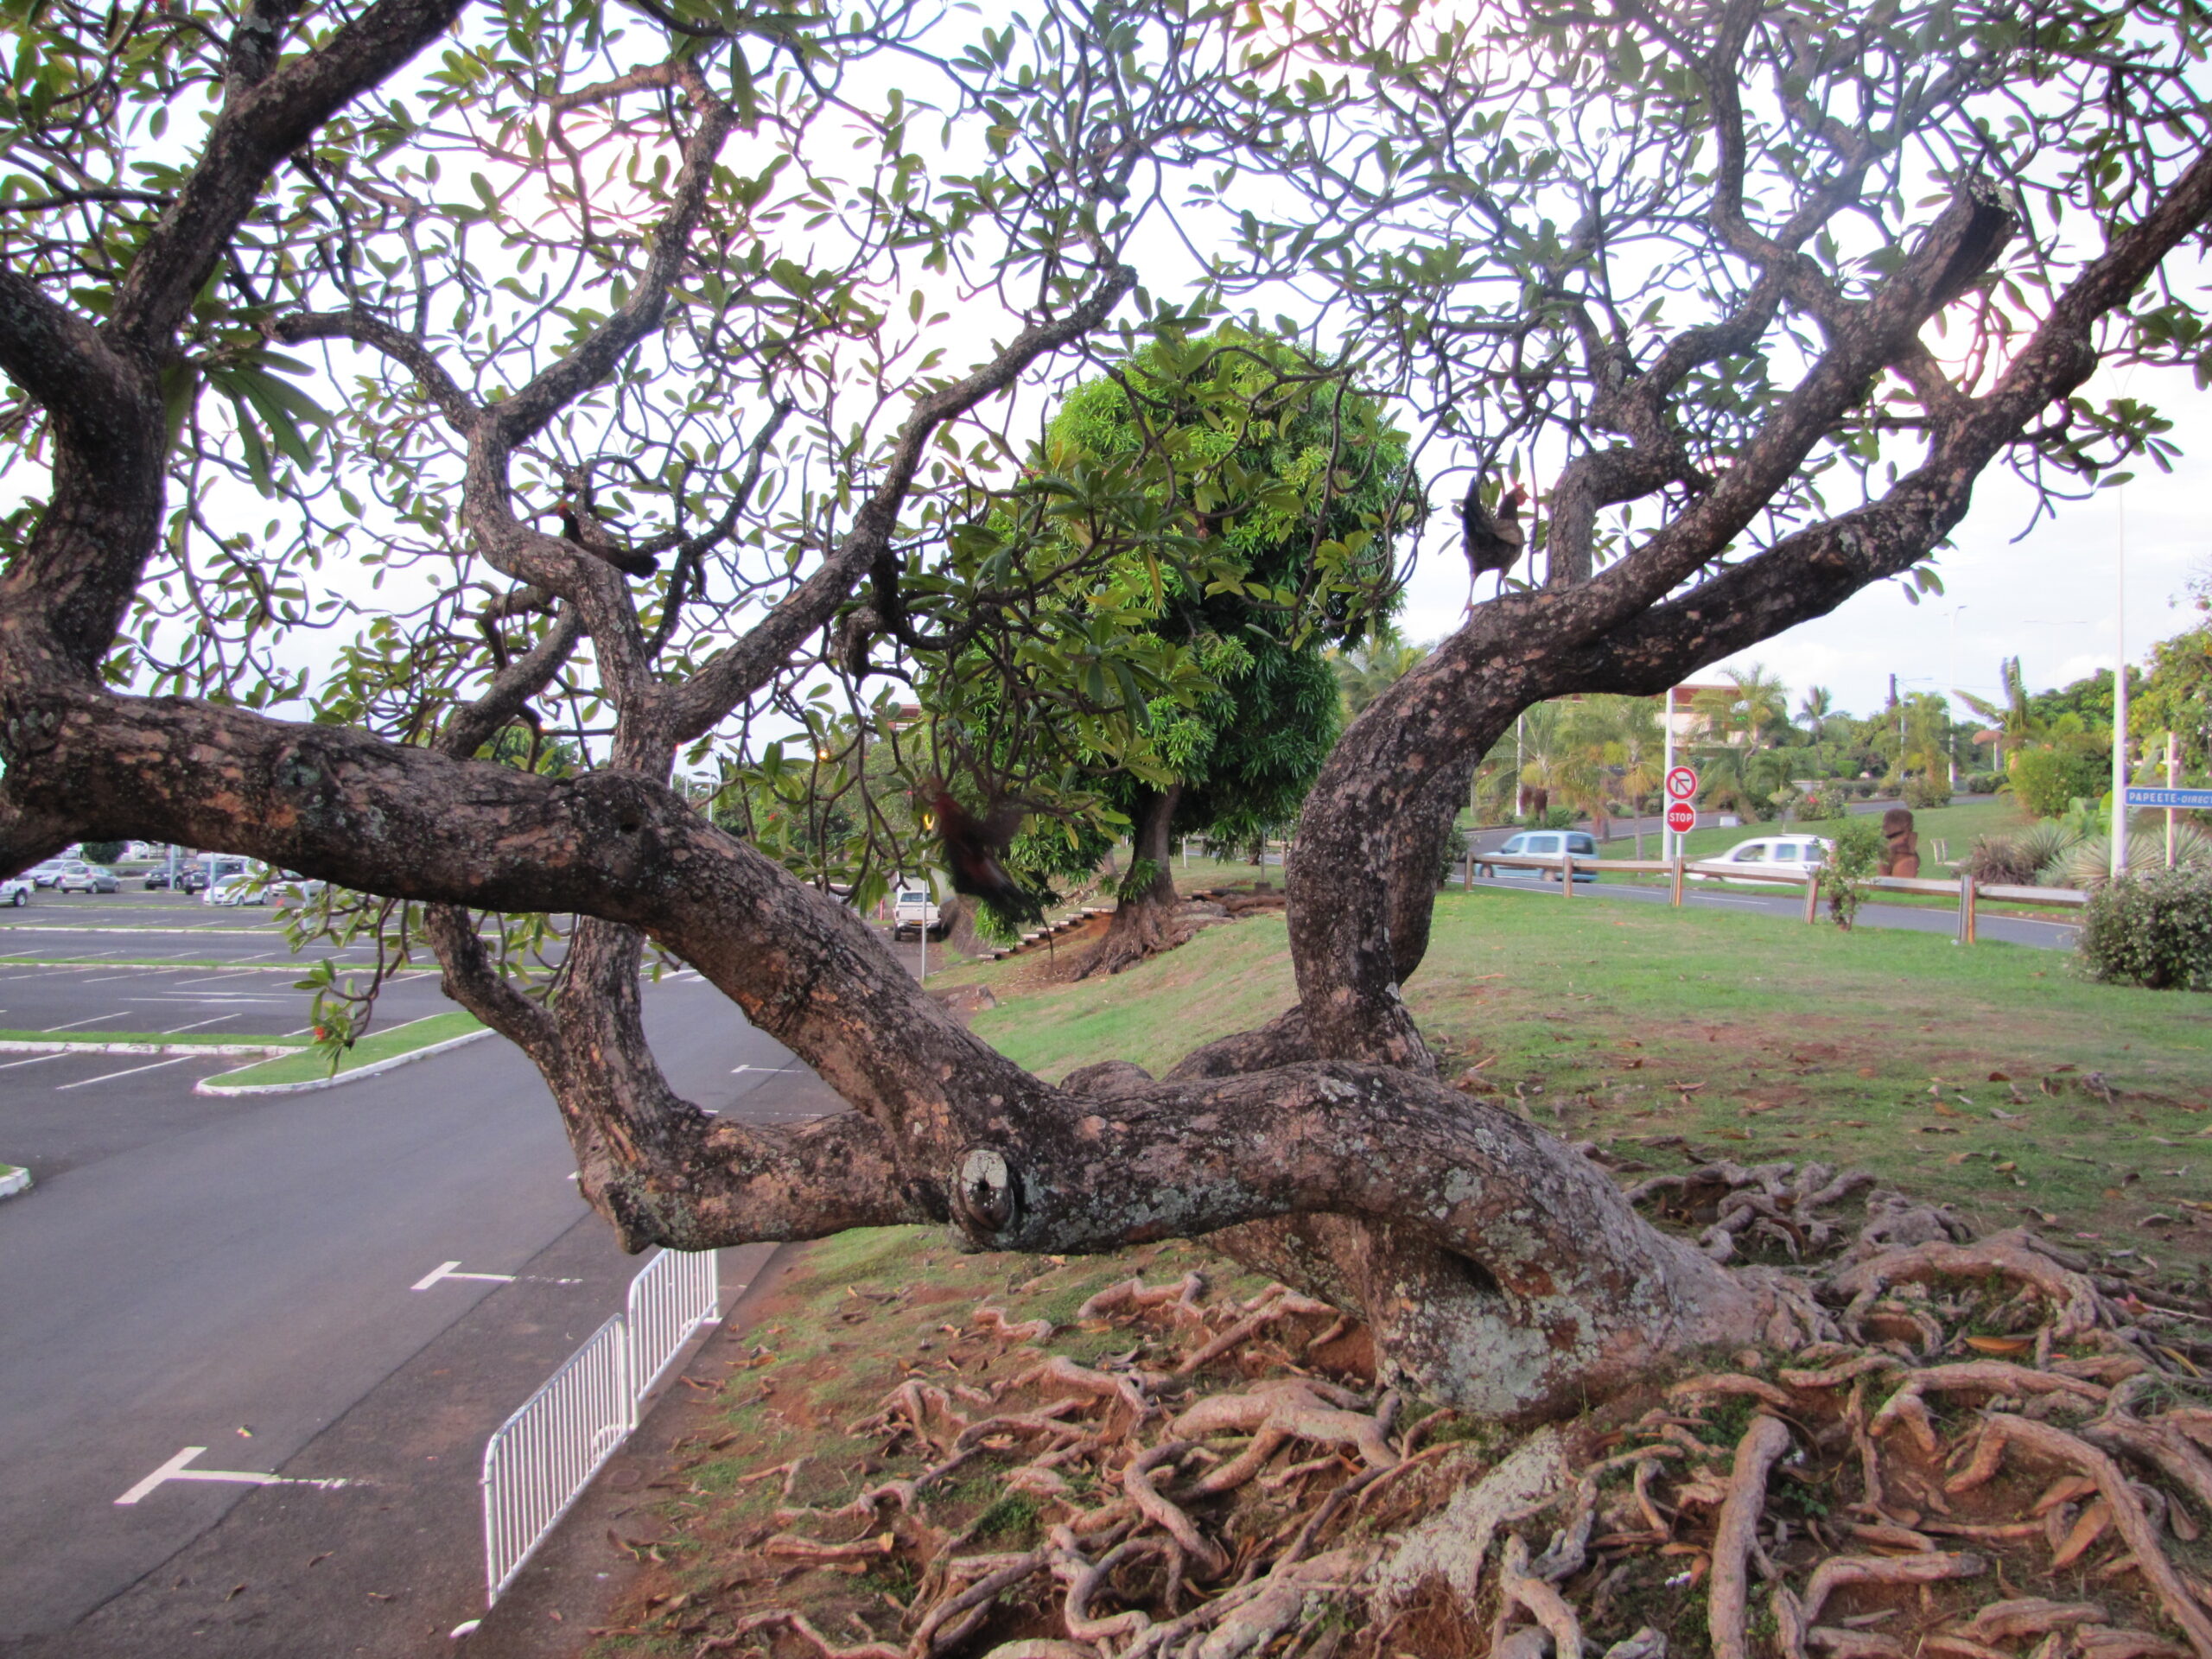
{"points": [[580, 524], [975, 850], [1492, 542]]}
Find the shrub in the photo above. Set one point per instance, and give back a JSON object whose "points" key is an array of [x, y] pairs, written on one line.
{"points": [[1858, 852], [1552, 817], [2153, 930], [1923, 794], [1821, 802], [102, 852], [2001, 859], [2085, 862], [1983, 783], [2045, 781]]}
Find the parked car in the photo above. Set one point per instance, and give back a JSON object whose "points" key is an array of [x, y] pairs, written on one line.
{"points": [[913, 910], [46, 874], [80, 877], [16, 890], [1542, 844], [1798, 854], [231, 891], [190, 877], [290, 887], [157, 877]]}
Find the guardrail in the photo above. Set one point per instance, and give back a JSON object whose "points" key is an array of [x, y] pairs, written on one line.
{"points": [[1567, 869], [538, 1462]]}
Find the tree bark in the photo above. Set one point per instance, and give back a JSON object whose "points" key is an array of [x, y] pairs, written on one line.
{"points": [[1143, 922]]}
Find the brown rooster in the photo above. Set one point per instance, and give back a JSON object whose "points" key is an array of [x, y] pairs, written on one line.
{"points": [[1492, 542], [975, 849]]}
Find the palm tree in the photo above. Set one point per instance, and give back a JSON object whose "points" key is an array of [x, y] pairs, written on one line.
{"points": [[2015, 722], [1365, 673], [1752, 701], [1816, 709]]}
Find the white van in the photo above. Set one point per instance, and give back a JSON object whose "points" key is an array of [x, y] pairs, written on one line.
{"points": [[1796, 854]]}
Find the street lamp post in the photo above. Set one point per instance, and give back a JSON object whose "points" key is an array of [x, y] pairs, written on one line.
{"points": [[2119, 699], [1951, 746]]}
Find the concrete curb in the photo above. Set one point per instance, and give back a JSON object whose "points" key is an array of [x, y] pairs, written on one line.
{"points": [[215, 1085], [16, 1180], [267, 1050]]}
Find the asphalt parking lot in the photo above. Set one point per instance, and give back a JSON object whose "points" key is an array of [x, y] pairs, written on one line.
{"points": [[239, 1274]]}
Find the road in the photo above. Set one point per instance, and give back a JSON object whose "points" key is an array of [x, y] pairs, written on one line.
{"points": [[235, 1273], [2009, 930]]}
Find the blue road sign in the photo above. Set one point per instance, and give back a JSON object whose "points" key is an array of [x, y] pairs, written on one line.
{"points": [[2195, 800]]}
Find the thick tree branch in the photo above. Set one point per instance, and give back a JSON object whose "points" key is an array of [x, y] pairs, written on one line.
{"points": [[258, 127], [475, 724], [461, 411]]}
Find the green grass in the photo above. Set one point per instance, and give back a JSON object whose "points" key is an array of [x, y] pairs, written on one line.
{"points": [[1755, 1036], [181, 1040], [376, 1046]]}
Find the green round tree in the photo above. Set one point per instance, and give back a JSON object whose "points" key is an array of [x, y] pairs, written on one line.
{"points": [[1289, 479]]}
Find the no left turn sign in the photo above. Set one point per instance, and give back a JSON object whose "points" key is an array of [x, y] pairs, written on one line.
{"points": [[1681, 783]]}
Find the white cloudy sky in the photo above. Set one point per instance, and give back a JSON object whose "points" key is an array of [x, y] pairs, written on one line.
{"points": [[2052, 599]]}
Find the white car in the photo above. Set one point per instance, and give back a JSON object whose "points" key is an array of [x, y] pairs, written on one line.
{"points": [[16, 890], [233, 889], [1797, 854], [914, 911]]}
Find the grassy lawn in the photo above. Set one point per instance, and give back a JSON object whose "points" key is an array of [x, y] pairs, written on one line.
{"points": [[376, 1046], [181, 1040], [1755, 1038]]}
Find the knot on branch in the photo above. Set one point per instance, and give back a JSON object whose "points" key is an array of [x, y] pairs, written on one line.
{"points": [[986, 1193]]}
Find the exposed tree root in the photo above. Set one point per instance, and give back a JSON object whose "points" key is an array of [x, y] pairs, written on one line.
{"points": [[1883, 1485]]}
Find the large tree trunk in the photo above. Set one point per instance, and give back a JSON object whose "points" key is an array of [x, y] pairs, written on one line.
{"points": [[1143, 923]]}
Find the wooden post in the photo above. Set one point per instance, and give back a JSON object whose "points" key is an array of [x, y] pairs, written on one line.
{"points": [[1467, 870], [1678, 881], [1967, 918], [1567, 873], [1812, 897]]}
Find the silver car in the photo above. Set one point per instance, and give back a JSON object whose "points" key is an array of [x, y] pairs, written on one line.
{"points": [[80, 877], [1543, 844]]}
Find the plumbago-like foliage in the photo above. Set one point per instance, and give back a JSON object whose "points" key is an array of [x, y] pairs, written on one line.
{"points": [[304, 384]]}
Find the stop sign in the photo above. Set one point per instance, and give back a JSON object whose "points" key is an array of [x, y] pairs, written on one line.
{"points": [[1682, 816], [1681, 783]]}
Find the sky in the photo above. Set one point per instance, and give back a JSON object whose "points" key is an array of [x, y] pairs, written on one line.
{"points": [[2052, 599]]}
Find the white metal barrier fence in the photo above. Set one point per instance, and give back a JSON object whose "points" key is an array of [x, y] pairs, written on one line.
{"points": [[672, 1297], [539, 1461]]}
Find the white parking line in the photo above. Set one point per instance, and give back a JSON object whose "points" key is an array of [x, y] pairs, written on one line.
{"points": [[195, 1025], [110, 1076], [174, 1469], [73, 1024], [35, 1059]]}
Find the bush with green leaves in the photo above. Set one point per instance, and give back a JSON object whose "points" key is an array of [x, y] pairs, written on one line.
{"points": [[2045, 781], [102, 852], [1983, 783], [1821, 803], [2152, 929], [1925, 793], [1850, 865]]}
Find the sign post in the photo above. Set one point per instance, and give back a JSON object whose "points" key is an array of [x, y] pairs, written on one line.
{"points": [[1682, 816]]}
